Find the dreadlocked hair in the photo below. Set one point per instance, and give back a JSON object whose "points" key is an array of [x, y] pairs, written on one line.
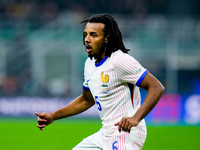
{"points": [[111, 31]]}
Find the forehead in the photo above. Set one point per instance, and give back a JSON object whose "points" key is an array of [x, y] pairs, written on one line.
{"points": [[94, 27]]}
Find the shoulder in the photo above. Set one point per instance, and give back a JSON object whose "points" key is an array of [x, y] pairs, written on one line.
{"points": [[120, 57]]}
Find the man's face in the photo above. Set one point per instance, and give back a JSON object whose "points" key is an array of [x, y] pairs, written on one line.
{"points": [[95, 40]]}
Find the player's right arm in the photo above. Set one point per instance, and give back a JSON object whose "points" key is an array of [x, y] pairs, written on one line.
{"points": [[79, 105]]}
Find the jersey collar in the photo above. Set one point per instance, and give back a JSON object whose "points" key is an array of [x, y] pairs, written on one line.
{"points": [[101, 62]]}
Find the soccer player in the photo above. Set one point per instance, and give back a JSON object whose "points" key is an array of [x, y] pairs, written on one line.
{"points": [[112, 81]]}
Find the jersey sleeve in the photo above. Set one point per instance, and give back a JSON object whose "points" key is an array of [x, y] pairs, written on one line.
{"points": [[85, 83], [130, 70], [85, 86]]}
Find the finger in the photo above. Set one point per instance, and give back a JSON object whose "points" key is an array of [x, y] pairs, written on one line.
{"points": [[42, 123], [126, 125], [129, 126], [40, 114], [41, 126], [119, 126], [116, 124], [123, 124], [41, 120], [37, 114]]}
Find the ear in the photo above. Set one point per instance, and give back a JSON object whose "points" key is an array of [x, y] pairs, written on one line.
{"points": [[106, 39]]}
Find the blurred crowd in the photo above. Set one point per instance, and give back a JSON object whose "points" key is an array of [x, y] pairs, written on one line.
{"points": [[35, 13], [38, 12], [18, 80], [48, 9]]}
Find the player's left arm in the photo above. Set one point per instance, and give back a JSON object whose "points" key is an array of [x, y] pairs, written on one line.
{"points": [[155, 90]]}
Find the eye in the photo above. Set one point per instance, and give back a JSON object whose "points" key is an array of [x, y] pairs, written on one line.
{"points": [[94, 35], [84, 34]]}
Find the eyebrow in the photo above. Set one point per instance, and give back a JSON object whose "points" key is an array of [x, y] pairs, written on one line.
{"points": [[90, 33]]}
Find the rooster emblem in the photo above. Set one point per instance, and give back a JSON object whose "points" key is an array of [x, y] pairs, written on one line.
{"points": [[104, 79]]}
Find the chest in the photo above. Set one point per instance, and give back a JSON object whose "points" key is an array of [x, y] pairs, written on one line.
{"points": [[102, 80]]}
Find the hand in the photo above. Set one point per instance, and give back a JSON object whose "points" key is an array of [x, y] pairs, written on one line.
{"points": [[126, 123], [44, 119]]}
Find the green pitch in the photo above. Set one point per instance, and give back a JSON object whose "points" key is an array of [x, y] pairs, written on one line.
{"points": [[22, 134]]}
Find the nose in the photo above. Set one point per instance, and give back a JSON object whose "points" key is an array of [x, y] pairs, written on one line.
{"points": [[87, 39]]}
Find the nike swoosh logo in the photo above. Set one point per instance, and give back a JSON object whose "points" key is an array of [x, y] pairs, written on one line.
{"points": [[88, 80]]}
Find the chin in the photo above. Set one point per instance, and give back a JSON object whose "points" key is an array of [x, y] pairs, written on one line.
{"points": [[90, 55]]}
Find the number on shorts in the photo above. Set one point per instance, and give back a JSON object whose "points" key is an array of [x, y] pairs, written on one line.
{"points": [[98, 103], [114, 147]]}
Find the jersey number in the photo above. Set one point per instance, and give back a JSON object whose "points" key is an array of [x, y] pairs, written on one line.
{"points": [[114, 147], [98, 103]]}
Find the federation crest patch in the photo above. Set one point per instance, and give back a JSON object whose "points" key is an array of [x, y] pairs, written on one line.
{"points": [[138, 71], [105, 81]]}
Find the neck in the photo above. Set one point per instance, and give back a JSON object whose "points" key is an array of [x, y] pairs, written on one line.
{"points": [[101, 57], [98, 60]]}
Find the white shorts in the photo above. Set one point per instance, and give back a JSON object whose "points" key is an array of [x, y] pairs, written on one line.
{"points": [[117, 141]]}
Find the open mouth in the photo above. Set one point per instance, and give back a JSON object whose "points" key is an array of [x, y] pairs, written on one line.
{"points": [[88, 48]]}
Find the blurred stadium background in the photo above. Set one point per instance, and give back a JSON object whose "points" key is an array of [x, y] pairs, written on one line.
{"points": [[42, 55]]}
